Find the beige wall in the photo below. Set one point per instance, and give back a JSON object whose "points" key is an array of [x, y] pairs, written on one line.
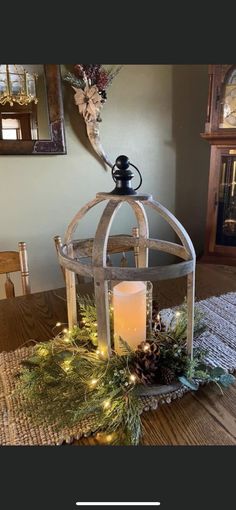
{"points": [[154, 114]]}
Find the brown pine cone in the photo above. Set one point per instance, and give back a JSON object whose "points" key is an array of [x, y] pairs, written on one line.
{"points": [[145, 362], [165, 375]]}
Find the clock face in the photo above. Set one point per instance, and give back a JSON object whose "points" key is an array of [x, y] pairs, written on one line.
{"points": [[229, 108]]}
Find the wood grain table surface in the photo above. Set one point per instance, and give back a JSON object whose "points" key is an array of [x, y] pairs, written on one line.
{"points": [[202, 418]]}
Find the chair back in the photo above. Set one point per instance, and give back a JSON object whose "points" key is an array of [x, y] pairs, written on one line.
{"points": [[11, 262]]}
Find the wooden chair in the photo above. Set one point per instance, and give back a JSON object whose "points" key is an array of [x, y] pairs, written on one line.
{"points": [[11, 262], [58, 244], [123, 260]]}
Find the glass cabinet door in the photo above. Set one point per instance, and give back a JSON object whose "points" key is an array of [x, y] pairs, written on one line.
{"points": [[226, 216], [228, 103]]}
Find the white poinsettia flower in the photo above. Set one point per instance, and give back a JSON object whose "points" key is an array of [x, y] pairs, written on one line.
{"points": [[89, 102]]}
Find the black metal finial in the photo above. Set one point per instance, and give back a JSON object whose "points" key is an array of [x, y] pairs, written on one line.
{"points": [[122, 176]]}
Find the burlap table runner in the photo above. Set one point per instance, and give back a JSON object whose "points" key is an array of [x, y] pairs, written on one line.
{"points": [[19, 429]]}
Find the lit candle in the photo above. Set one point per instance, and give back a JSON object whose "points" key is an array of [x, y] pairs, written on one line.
{"points": [[129, 303]]}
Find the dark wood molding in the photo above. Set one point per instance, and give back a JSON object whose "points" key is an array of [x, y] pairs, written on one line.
{"points": [[221, 138], [56, 144]]}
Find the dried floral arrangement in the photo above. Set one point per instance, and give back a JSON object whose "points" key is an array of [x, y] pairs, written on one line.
{"points": [[67, 379], [90, 83]]}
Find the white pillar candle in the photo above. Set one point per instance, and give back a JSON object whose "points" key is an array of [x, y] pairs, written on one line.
{"points": [[129, 304]]}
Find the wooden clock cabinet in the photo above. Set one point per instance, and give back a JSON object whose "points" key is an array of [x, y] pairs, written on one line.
{"points": [[220, 132]]}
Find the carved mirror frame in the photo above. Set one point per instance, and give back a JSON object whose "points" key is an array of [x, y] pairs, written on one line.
{"points": [[56, 144]]}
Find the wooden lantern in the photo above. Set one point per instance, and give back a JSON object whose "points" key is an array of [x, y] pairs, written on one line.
{"points": [[72, 252]]}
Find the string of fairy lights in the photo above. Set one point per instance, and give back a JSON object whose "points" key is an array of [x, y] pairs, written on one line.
{"points": [[66, 364]]}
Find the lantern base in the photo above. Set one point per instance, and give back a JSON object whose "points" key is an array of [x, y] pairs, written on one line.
{"points": [[155, 395], [158, 389]]}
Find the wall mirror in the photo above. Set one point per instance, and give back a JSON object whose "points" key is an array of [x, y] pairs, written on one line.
{"points": [[31, 109]]}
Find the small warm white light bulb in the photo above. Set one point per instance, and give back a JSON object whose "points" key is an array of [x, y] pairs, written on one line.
{"points": [[94, 381], [177, 314], [65, 330], [158, 316], [106, 404], [109, 438], [58, 324], [146, 347], [66, 365], [97, 352], [132, 378], [42, 351], [66, 339]]}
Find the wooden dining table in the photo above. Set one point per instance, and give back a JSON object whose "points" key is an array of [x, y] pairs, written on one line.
{"points": [[204, 417]]}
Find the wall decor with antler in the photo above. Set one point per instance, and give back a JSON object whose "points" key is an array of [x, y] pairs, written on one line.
{"points": [[90, 83]]}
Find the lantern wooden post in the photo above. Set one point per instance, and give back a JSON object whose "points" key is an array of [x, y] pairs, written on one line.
{"points": [[190, 311], [71, 293], [143, 232], [99, 258]]}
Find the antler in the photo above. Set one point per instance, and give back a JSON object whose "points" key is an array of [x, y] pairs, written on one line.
{"points": [[94, 138], [89, 103]]}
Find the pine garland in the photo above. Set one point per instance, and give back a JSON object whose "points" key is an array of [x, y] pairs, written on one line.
{"points": [[88, 322], [66, 379]]}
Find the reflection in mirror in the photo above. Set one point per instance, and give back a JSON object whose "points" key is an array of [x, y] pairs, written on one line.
{"points": [[31, 110], [23, 102]]}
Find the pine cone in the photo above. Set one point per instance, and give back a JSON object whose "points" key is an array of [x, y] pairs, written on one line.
{"points": [[145, 363], [165, 375]]}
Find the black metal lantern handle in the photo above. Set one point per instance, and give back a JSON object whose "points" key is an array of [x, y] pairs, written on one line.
{"points": [[139, 173]]}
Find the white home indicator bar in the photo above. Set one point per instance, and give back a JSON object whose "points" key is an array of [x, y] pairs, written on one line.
{"points": [[116, 503]]}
